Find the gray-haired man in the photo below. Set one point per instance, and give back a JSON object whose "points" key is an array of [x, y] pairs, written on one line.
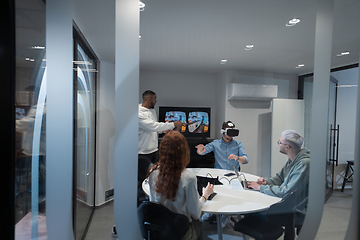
{"points": [[293, 175]]}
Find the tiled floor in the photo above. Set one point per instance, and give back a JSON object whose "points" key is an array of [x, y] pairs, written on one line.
{"points": [[333, 225]]}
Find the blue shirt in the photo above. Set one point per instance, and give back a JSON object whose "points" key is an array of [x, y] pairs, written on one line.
{"points": [[222, 151]]}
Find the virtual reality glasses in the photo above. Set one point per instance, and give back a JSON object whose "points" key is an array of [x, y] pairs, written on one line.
{"points": [[231, 132]]}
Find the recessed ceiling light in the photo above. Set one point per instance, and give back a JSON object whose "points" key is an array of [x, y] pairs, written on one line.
{"points": [[27, 59], [292, 22], [346, 86], [300, 65], [343, 54], [141, 6], [82, 62], [139, 37], [249, 46], [38, 47], [223, 61]]}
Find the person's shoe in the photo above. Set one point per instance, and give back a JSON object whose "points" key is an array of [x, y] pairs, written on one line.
{"points": [[225, 219], [208, 217]]}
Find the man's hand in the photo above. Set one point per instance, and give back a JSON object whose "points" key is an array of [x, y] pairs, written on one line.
{"points": [[200, 148], [233, 156], [253, 185], [261, 181], [178, 124]]}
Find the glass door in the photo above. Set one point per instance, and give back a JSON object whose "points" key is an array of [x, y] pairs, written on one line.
{"points": [[85, 69], [306, 92], [332, 157]]}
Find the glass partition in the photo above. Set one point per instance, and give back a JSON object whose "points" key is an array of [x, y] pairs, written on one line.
{"points": [[341, 135], [306, 94], [30, 112]]}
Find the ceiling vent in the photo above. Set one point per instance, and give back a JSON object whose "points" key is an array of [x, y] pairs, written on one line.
{"points": [[237, 91]]}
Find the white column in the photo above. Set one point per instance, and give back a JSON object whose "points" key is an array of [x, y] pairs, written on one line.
{"points": [[126, 118], [319, 129], [59, 119]]}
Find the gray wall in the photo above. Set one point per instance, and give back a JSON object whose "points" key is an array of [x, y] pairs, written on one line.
{"points": [[210, 90], [179, 89], [105, 132]]}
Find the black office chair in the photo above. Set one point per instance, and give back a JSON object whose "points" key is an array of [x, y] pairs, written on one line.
{"points": [[143, 166], [157, 222], [279, 214]]}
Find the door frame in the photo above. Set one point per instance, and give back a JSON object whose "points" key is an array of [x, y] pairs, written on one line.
{"points": [[7, 98], [80, 39]]}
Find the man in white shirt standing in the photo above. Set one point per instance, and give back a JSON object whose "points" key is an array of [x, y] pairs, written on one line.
{"points": [[149, 127]]}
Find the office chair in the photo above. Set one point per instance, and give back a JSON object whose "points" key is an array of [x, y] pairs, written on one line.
{"points": [[157, 222], [143, 166], [279, 214]]}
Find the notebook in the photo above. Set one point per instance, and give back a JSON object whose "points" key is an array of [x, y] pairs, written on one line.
{"points": [[203, 181]]}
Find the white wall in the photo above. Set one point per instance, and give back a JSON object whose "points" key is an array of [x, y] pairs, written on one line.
{"points": [[210, 90], [286, 114], [105, 132], [253, 118], [180, 89]]}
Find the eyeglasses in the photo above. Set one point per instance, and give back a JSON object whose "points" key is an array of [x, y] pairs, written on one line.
{"points": [[278, 142]]}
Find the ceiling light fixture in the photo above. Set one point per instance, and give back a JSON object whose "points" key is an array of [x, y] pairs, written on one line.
{"points": [[82, 62], [300, 65], [293, 22], [141, 6], [223, 61], [38, 47], [139, 37], [343, 54], [249, 46], [346, 86]]}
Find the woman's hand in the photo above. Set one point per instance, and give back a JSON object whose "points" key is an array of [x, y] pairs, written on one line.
{"points": [[208, 190]]}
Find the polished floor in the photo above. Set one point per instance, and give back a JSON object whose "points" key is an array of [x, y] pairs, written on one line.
{"points": [[332, 227]]}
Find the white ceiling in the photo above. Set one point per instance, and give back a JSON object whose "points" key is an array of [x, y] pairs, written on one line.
{"points": [[194, 35], [191, 35]]}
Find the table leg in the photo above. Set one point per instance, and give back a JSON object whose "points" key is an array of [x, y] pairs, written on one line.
{"points": [[239, 217], [219, 227]]}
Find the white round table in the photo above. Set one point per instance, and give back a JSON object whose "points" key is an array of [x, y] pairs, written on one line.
{"points": [[231, 198]]}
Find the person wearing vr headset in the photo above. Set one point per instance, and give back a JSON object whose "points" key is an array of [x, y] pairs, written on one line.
{"points": [[228, 153]]}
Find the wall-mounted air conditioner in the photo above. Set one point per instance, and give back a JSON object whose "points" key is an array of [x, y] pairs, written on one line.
{"points": [[237, 91]]}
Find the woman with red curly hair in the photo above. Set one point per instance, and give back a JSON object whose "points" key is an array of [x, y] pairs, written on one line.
{"points": [[174, 186]]}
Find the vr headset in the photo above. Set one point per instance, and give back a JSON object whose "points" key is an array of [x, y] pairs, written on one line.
{"points": [[231, 132]]}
